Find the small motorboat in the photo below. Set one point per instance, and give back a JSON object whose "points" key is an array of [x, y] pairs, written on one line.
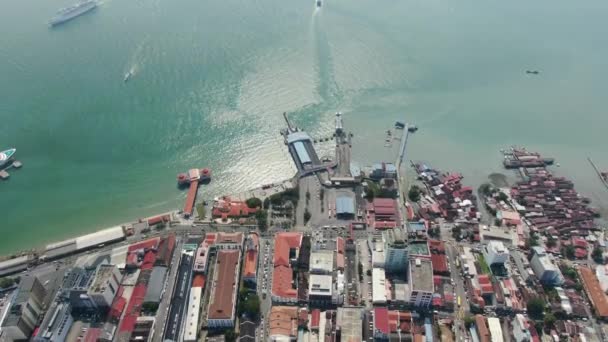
{"points": [[319, 3], [532, 72], [128, 76]]}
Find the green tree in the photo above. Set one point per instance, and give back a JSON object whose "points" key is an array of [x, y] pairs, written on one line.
{"points": [[369, 273], [254, 202], [468, 321], [549, 320], [230, 335], [486, 189], [456, 231], [414, 193], [360, 268], [502, 197], [570, 272], [536, 308], [597, 255], [569, 252], [6, 282], [261, 217]]}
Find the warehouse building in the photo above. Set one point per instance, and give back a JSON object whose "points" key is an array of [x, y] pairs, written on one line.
{"points": [[345, 207], [221, 313], [156, 284]]}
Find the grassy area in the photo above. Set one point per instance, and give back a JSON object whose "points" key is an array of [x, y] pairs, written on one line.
{"points": [[485, 269], [200, 210]]}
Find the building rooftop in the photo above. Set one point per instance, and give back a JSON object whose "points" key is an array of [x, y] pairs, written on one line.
{"points": [[495, 329], [286, 248], [225, 285], [350, 323], [395, 238], [322, 262], [418, 248], [103, 276], [283, 321], [320, 285], [345, 205], [594, 291], [421, 275]]}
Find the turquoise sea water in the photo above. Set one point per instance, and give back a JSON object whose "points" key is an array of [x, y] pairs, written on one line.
{"points": [[213, 77]]}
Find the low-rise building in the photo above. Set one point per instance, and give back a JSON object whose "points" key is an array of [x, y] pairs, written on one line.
{"points": [[287, 247], [321, 262], [597, 297], [283, 323], [520, 329], [481, 328], [192, 315], [421, 282], [349, 324], [495, 329], [495, 252], [378, 286], [221, 312], [320, 290], [250, 268]]}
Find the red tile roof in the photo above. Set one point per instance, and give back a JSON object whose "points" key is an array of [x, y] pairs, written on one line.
{"points": [[222, 304], [251, 264], [198, 281], [482, 329], [283, 274], [146, 244], [594, 291], [315, 319], [92, 335], [437, 246], [381, 320], [226, 208], [440, 263]]}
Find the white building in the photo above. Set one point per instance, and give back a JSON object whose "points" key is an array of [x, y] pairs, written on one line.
{"points": [[320, 290], [192, 315], [468, 262], [377, 247], [544, 268], [395, 250], [322, 262], [495, 253], [495, 329], [105, 285], [378, 286], [421, 282], [520, 329]]}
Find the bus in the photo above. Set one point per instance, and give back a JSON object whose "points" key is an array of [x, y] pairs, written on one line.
{"points": [[458, 301]]}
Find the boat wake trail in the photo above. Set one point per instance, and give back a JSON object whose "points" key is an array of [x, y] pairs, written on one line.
{"points": [[327, 87]]}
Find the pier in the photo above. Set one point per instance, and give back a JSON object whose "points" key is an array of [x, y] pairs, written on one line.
{"points": [[194, 178], [4, 175], [599, 173]]}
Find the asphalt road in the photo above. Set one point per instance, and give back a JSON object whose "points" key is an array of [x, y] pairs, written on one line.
{"points": [[164, 305], [179, 299]]}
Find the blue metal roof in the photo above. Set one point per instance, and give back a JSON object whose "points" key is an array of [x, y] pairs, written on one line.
{"points": [[345, 205], [302, 153]]}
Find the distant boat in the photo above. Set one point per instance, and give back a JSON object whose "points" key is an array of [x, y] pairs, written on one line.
{"points": [[6, 156], [532, 72], [128, 76], [319, 3], [71, 12]]}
